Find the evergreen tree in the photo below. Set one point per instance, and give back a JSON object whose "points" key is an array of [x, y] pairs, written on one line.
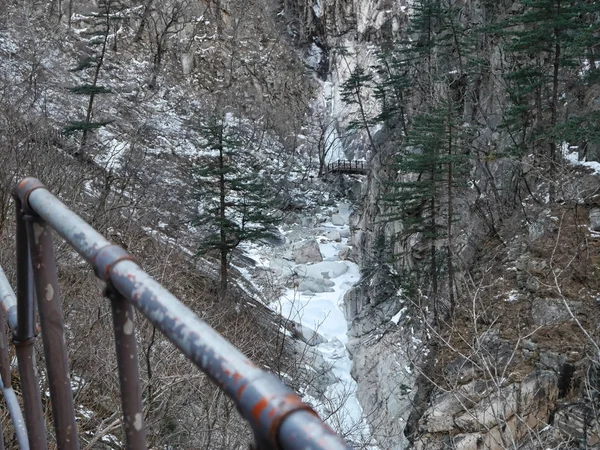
{"points": [[353, 93], [432, 163], [97, 38], [235, 202], [432, 67], [548, 40]]}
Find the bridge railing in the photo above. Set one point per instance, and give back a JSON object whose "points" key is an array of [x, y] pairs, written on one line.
{"points": [[346, 165], [278, 418]]}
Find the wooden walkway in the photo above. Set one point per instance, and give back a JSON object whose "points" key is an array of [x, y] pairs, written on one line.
{"points": [[348, 167]]}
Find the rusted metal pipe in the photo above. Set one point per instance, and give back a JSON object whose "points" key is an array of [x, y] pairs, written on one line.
{"points": [[39, 236], [16, 416], [9, 301], [129, 375], [24, 336], [5, 379], [260, 397], [4, 361]]}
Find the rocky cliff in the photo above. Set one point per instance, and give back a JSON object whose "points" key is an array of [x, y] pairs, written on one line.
{"points": [[475, 328], [519, 354]]}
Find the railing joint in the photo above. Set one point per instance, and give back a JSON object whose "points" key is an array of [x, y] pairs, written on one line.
{"points": [[23, 190], [107, 257], [278, 417], [23, 342]]}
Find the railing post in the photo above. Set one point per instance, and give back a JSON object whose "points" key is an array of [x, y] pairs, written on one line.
{"points": [[9, 394], [277, 416], [39, 236], [24, 337], [129, 376]]}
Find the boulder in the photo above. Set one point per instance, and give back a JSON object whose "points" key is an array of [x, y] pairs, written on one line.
{"points": [[344, 253], [305, 334], [333, 235], [595, 219], [315, 285], [307, 252], [549, 311], [338, 220], [325, 269]]}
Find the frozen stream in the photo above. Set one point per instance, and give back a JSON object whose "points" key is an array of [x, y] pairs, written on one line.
{"points": [[314, 299]]}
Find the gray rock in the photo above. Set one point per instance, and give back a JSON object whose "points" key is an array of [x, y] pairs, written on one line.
{"points": [[579, 421], [552, 361], [344, 253], [345, 232], [333, 235], [549, 311], [595, 219], [316, 286], [307, 252], [325, 269], [305, 334], [338, 220]]}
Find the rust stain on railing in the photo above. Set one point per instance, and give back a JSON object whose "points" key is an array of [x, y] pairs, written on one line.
{"points": [[279, 419]]}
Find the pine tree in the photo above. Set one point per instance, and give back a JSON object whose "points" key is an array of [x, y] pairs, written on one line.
{"points": [[233, 194], [430, 166], [353, 93], [548, 40], [93, 64]]}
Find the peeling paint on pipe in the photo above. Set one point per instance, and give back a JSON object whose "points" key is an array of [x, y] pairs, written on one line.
{"points": [[279, 419]]}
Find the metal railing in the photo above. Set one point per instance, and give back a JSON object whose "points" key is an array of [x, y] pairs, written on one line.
{"points": [[279, 419], [347, 166]]}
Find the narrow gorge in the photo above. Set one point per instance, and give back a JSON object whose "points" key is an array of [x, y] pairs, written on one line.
{"points": [[447, 296]]}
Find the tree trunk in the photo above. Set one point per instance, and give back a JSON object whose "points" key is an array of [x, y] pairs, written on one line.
{"points": [[554, 105], [88, 115], [143, 21], [222, 210], [450, 214]]}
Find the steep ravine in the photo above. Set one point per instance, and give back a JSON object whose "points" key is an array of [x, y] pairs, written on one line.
{"points": [[311, 263], [517, 366]]}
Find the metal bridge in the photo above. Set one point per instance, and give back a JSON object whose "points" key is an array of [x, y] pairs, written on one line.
{"points": [[348, 167], [279, 419]]}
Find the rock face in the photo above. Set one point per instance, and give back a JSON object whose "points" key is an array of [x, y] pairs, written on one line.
{"points": [[385, 353], [488, 402], [482, 414]]}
